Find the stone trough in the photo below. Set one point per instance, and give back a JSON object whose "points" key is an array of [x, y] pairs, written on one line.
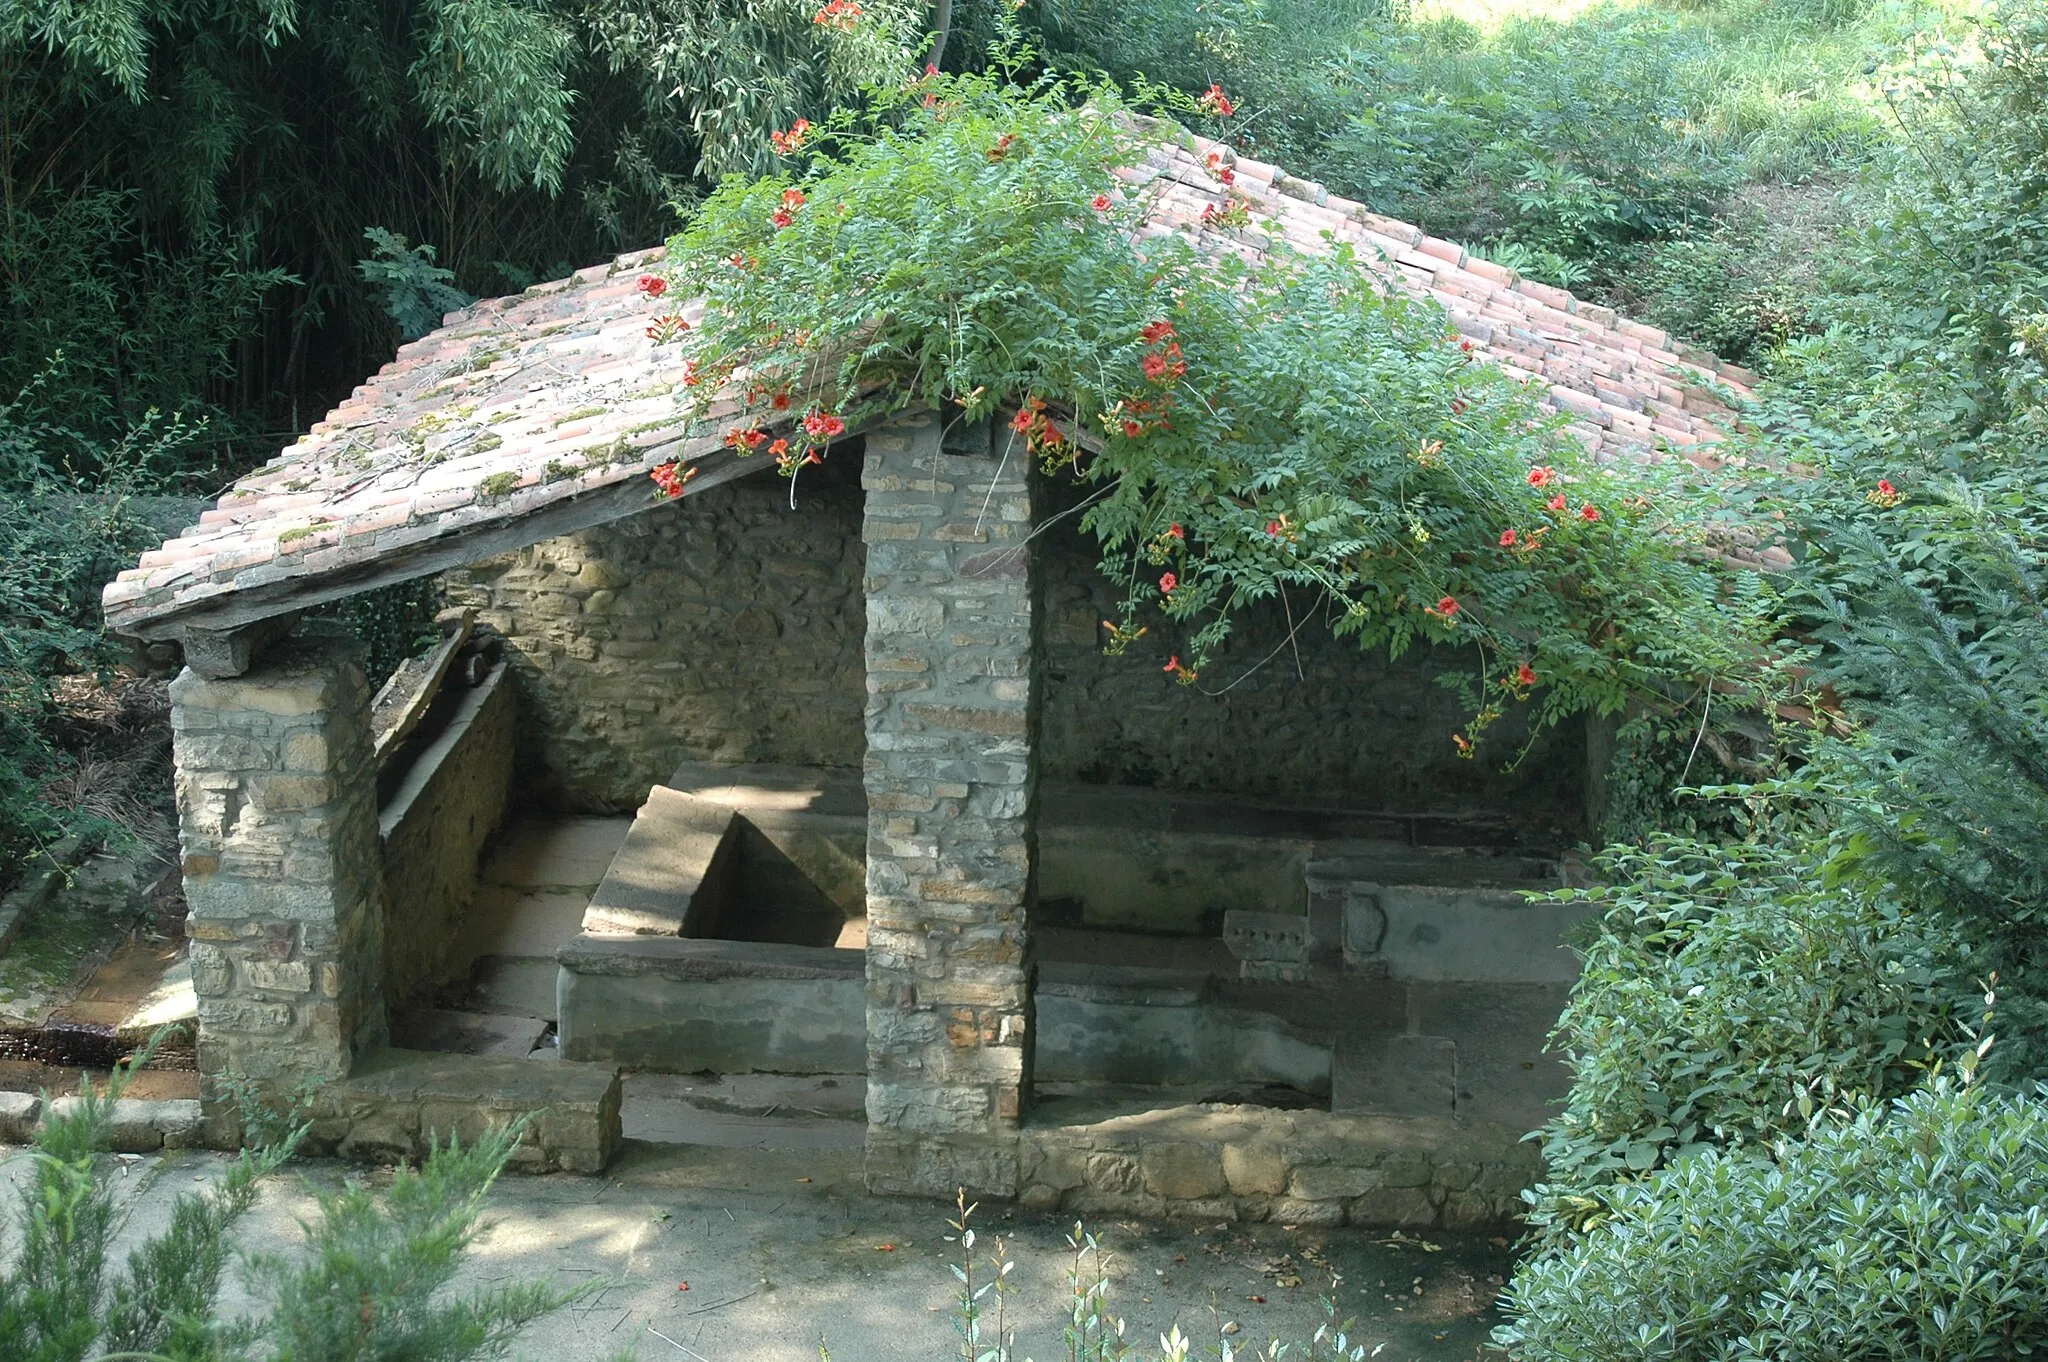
{"points": [[725, 938]]}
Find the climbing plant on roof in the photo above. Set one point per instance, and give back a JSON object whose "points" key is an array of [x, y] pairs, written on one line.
{"points": [[1245, 430]]}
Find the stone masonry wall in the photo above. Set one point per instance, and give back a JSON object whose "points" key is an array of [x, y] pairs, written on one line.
{"points": [[951, 795], [728, 628], [725, 627], [277, 815], [433, 827], [1314, 717], [1214, 1162]]}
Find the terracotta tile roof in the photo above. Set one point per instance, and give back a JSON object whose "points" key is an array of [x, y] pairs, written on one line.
{"points": [[533, 415]]}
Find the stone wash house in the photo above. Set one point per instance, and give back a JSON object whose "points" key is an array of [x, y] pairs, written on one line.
{"points": [[1090, 939]]}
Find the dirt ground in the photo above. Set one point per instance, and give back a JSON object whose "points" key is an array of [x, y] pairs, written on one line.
{"points": [[763, 1256]]}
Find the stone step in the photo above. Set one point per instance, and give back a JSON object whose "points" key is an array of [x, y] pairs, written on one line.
{"points": [[395, 1102], [746, 1111]]}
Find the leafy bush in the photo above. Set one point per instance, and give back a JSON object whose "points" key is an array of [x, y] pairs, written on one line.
{"points": [[1727, 987], [1937, 635], [1916, 1228], [61, 536], [372, 1282], [1575, 139], [1973, 137], [1251, 428], [104, 326], [1725, 288], [417, 292], [1659, 757], [372, 1287]]}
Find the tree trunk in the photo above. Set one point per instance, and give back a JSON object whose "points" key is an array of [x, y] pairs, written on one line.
{"points": [[942, 24]]}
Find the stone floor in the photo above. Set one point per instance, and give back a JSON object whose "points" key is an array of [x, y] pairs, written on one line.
{"points": [[534, 883], [722, 1255]]}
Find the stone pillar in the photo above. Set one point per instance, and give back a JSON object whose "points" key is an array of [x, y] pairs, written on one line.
{"points": [[951, 784], [277, 825]]}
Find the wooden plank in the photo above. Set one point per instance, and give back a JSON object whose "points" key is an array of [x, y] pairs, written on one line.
{"points": [[425, 688]]}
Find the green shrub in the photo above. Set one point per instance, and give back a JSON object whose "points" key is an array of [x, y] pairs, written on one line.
{"points": [[372, 1286], [1911, 1229], [62, 534], [1728, 287], [1938, 287], [1275, 426], [1573, 138], [1937, 638], [1726, 986], [1658, 757], [372, 1282], [417, 292]]}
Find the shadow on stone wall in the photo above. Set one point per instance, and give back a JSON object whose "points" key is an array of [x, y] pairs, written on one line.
{"points": [[730, 629]]}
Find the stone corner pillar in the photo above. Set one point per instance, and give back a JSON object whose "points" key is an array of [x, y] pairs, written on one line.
{"points": [[277, 830], [952, 809]]}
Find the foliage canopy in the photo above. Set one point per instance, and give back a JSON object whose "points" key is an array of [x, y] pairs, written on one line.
{"points": [[1280, 429]]}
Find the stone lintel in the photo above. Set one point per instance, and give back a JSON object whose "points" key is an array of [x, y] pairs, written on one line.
{"points": [[221, 653]]}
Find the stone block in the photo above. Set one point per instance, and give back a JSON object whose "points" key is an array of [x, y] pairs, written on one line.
{"points": [[1037, 1196], [1405, 1170], [929, 1108], [182, 1124], [905, 616], [19, 1113], [672, 873], [1331, 1181], [395, 1097], [133, 1127], [212, 972], [1181, 1172], [677, 1003], [1296, 1211], [1001, 720], [1455, 1177], [1272, 946], [1060, 1167], [1117, 1174], [902, 1163], [1254, 1169], [1393, 1208], [307, 752], [288, 976], [1092, 1202], [1474, 1209], [251, 1018], [1399, 1075]]}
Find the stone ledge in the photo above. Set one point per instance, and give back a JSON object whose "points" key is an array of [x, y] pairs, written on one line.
{"points": [[1212, 1162], [396, 1102], [687, 959], [137, 1127], [1137, 985]]}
